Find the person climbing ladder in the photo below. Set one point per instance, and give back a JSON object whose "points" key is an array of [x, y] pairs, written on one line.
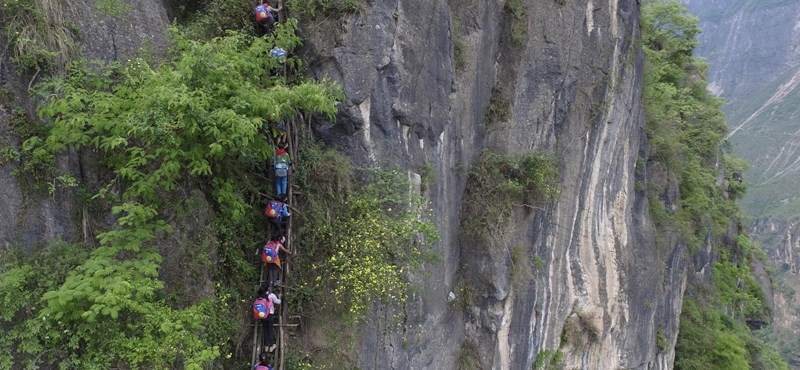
{"points": [[265, 18], [263, 362], [271, 257], [277, 212], [282, 162], [264, 311]]}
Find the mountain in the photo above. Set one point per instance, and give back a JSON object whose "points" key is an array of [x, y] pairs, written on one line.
{"points": [[565, 234], [753, 52]]}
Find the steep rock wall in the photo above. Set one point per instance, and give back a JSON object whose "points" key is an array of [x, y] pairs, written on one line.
{"points": [[573, 83]]}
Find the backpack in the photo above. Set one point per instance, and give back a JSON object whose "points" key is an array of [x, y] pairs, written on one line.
{"points": [[261, 308], [263, 367], [262, 14], [269, 254], [282, 165], [277, 53], [273, 209]]}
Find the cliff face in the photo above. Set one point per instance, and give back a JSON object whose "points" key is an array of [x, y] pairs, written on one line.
{"points": [[573, 83], [571, 74]]}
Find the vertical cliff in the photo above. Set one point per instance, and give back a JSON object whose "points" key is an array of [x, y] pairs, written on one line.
{"points": [[433, 84], [570, 74]]}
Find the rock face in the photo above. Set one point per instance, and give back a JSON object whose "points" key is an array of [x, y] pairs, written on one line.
{"points": [[573, 84], [570, 73]]}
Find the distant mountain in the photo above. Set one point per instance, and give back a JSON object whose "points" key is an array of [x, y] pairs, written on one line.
{"points": [[753, 51]]}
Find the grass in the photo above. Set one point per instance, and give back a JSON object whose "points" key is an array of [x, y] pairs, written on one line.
{"points": [[499, 109], [498, 183], [522, 266], [39, 35], [468, 356], [459, 46], [518, 28]]}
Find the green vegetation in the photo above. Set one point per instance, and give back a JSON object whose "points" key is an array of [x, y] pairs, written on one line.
{"points": [[685, 127], [518, 20], [195, 119], [500, 182], [522, 266], [38, 34], [499, 109], [548, 359], [358, 245], [468, 356], [459, 46], [661, 340]]}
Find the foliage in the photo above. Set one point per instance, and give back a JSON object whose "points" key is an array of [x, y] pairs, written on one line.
{"points": [[499, 109], [198, 117], [468, 356], [310, 9], [685, 127], [213, 18], [661, 339], [518, 27], [35, 165], [38, 33], [499, 182], [522, 266], [709, 339], [362, 242], [548, 359], [459, 46]]}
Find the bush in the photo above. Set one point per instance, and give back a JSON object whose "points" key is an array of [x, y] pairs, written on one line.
{"points": [[363, 241], [197, 119], [499, 182]]}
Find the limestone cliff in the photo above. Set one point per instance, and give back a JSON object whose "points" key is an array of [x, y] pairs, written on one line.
{"points": [[570, 73], [573, 82]]}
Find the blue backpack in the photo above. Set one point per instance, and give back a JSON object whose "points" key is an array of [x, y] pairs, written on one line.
{"points": [[281, 165], [269, 252]]}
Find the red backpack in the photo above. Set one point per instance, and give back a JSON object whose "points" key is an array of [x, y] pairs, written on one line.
{"points": [[262, 14], [261, 308], [269, 254], [273, 209]]}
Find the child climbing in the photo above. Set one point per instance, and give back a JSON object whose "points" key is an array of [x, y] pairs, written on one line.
{"points": [[271, 257], [277, 212], [282, 163], [264, 310], [265, 18], [278, 129], [263, 362]]}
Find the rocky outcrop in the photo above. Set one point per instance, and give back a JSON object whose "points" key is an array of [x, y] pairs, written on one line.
{"points": [[572, 81]]}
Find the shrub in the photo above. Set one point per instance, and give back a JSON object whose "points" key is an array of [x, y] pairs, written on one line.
{"points": [[499, 182]]}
